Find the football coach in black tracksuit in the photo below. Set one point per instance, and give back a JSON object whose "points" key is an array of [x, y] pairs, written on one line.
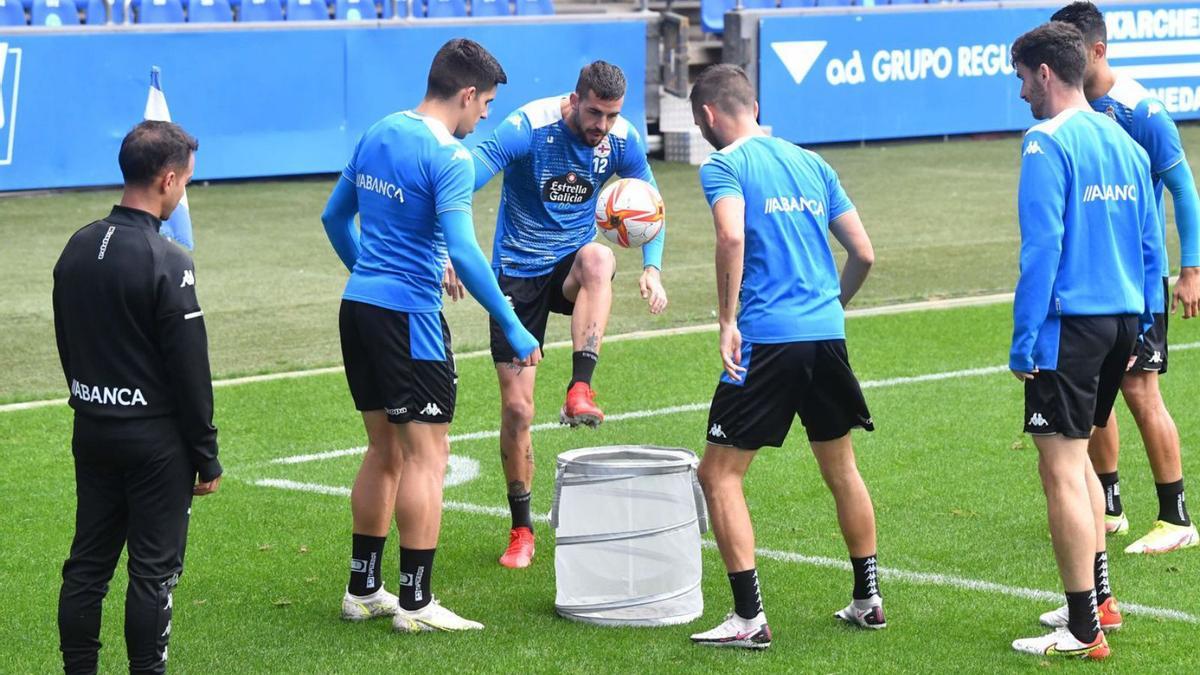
{"points": [[135, 354]]}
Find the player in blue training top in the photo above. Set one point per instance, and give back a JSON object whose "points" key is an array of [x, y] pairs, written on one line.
{"points": [[1146, 120], [784, 352], [410, 180], [1091, 264], [556, 153]]}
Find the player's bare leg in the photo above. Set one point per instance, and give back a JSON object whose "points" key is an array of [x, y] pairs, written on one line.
{"points": [[589, 286], [856, 518], [1173, 529], [1103, 449], [1062, 464], [516, 458], [419, 523], [721, 473], [372, 503]]}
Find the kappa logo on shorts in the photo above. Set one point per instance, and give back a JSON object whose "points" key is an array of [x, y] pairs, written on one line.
{"points": [[1036, 420], [431, 409], [717, 432], [1156, 357]]}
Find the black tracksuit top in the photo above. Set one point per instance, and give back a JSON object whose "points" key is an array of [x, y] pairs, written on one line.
{"points": [[131, 333]]}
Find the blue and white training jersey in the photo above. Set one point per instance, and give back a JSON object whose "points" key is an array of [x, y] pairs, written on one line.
{"points": [[790, 286], [1091, 240], [1145, 118], [551, 182], [407, 169]]}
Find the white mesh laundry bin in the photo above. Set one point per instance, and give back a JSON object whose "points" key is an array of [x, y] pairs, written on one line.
{"points": [[628, 520]]}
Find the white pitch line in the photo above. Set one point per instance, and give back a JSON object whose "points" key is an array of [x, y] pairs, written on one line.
{"points": [[902, 308], [921, 578]]}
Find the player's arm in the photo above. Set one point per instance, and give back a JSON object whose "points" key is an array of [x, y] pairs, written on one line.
{"points": [[1154, 261], [510, 141], [1041, 203], [184, 345], [338, 219], [452, 190], [635, 165], [60, 331], [847, 228], [860, 254], [724, 195], [1182, 186]]}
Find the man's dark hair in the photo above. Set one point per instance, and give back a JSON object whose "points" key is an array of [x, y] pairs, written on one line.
{"points": [[153, 147], [725, 86], [601, 78], [1058, 45], [462, 63], [1087, 18]]}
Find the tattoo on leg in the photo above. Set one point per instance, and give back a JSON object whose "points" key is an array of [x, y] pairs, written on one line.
{"points": [[515, 367], [592, 343], [529, 456], [516, 487]]}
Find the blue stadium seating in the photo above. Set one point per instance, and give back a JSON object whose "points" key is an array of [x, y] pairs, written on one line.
{"points": [[54, 13], [12, 13], [798, 3], [94, 11], [159, 11], [532, 7], [445, 8], [260, 10], [489, 8], [354, 10], [307, 10], [836, 3], [209, 11], [906, 2]]}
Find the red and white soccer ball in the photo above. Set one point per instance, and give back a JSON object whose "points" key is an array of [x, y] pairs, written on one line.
{"points": [[630, 212]]}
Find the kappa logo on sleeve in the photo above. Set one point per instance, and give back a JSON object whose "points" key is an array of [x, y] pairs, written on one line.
{"points": [[1033, 149]]}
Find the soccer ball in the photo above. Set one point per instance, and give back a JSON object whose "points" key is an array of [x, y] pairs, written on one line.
{"points": [[630, 212]]}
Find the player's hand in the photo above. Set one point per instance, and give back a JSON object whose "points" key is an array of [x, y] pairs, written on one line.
{"points": [[452, 285], [201, 489], [531, 360], [652, 290], [1187, 292], [1022, 376], [731, 351]]}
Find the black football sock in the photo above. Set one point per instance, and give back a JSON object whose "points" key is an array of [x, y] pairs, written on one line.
{"points": [[1171, 505], [519, 506], [583, 364], [866, 582], [416, 566], [366, 552], [1103, 590], [1112, 493], [747, 600], [1083, 621]]}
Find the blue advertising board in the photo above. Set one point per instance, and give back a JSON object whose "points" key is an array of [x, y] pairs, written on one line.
{"points": [[265, 100], [890, 74]]}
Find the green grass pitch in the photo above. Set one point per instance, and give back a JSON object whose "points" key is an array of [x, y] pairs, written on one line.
{"points": [[962, 533]]}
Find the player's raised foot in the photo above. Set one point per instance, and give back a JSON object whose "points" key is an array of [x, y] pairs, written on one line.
{"points": [[1165, 537], [363, 607], [431, 618], [520, 548], [580, 407], [1062, 643], [866, 613], [1116, 525], [735, 631], [1110, 616]]}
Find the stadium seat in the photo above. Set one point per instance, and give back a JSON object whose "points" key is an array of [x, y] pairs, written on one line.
{"points": [[797, 3], [209, 11], [54, 13], [354, 10], [12, 13], [906, 2], [307, 10], [838, 3], [260, 10], [94, 11], [445, 8], [712, 14], [489, 8], [159, 11], [532, 7]]}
